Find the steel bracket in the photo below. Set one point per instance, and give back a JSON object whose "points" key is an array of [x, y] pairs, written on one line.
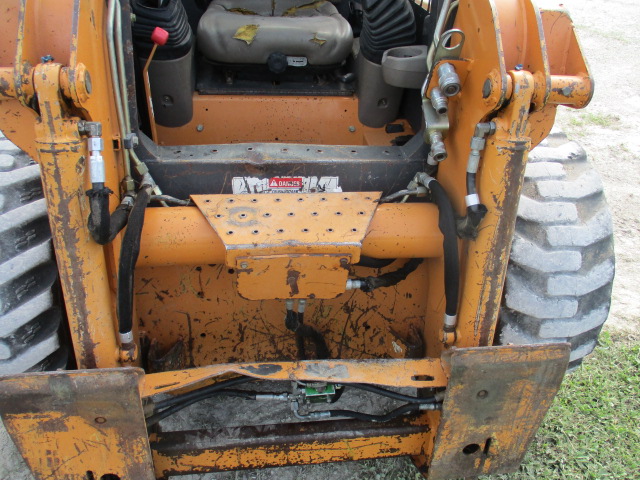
{"points": [[290, 245], [78, 425], [496, 399]]}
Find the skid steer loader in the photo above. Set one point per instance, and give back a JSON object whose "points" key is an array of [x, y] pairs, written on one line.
{"points": [[290, 233]]}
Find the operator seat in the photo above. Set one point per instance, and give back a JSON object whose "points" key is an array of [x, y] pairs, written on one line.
{"points": [[250, 31]]}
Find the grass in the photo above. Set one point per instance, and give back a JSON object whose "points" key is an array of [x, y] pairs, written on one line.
{"points": [[594, 119], [591, 432]]}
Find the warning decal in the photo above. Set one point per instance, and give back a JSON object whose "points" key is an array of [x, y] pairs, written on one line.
{"points": [[285, 182], [285, 185]]}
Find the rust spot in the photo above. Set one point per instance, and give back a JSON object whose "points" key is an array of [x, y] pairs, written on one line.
{"points": [[263, 369], [292, 281]]}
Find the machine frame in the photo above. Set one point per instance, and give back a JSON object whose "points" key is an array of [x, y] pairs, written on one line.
{"points": [[517, 64]]}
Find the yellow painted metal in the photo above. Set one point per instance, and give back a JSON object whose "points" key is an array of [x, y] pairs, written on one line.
{"points": [[81, 262], [292, 276], [362, 443], [271, 224], [530, 61], [78, 425], [191, 303], [491, 391], [290, 246], [418, 373], [505, 155], [183, 236], [280, 119]]}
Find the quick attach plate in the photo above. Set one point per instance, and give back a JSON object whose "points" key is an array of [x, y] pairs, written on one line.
{"points": [[495, 402], [290, 245]]}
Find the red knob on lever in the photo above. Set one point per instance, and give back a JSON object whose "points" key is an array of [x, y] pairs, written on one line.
{"points": [[159, 36]]}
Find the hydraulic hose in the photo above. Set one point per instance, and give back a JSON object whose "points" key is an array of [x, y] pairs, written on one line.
{"points": [[371, 262], [202, 393], [368, 284], [447, 225], [476, 211], [391, 394], [294, 321], [156, 417], [367, 417], [129, 252], [104, 226]]}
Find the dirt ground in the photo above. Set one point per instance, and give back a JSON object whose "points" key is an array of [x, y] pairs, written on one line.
{"points": [[609, 130]]}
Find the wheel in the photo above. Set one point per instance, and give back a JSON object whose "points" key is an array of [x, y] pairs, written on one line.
{"points": [[561, 269], [30, 317]]}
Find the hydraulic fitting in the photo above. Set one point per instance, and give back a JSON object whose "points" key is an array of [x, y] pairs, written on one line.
{"points": [[436, 126], [95, 145], [438, 149], [448, 80], [439, 101]]}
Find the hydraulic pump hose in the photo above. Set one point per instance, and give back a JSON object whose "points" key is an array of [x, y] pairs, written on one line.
{"points": [[371, 262], [294, 321], [391, 278], [104, 226], [128, 257], [447, 225], [367, 417]]}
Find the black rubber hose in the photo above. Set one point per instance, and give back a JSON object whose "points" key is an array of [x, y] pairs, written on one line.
{"points": [[471, 183], [475, 212], [294, 321], [156, 417], [322, 351], [129, 252], [391, 278], [103, 226], [371, 262], [302, 351], [392, 394], [447, 225], [201, 393], [367, 417]]}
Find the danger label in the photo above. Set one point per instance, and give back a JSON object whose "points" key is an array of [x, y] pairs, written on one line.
{"points": [[285, 185], [284, 182]]}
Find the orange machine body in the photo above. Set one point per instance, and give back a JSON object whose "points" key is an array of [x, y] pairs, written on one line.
{"points": [[217, 297]]}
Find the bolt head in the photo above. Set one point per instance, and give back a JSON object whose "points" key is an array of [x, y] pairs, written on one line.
{"points": [[352, 128], [486, 88], [483, 394], [200, 128], [87, 82], [244, 265]]}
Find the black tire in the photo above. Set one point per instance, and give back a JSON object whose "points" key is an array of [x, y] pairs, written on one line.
{"points": [[561, 269], [30, 316]]}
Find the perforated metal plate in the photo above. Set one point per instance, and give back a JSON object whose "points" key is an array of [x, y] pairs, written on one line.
{"points": [[290, 245]]}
